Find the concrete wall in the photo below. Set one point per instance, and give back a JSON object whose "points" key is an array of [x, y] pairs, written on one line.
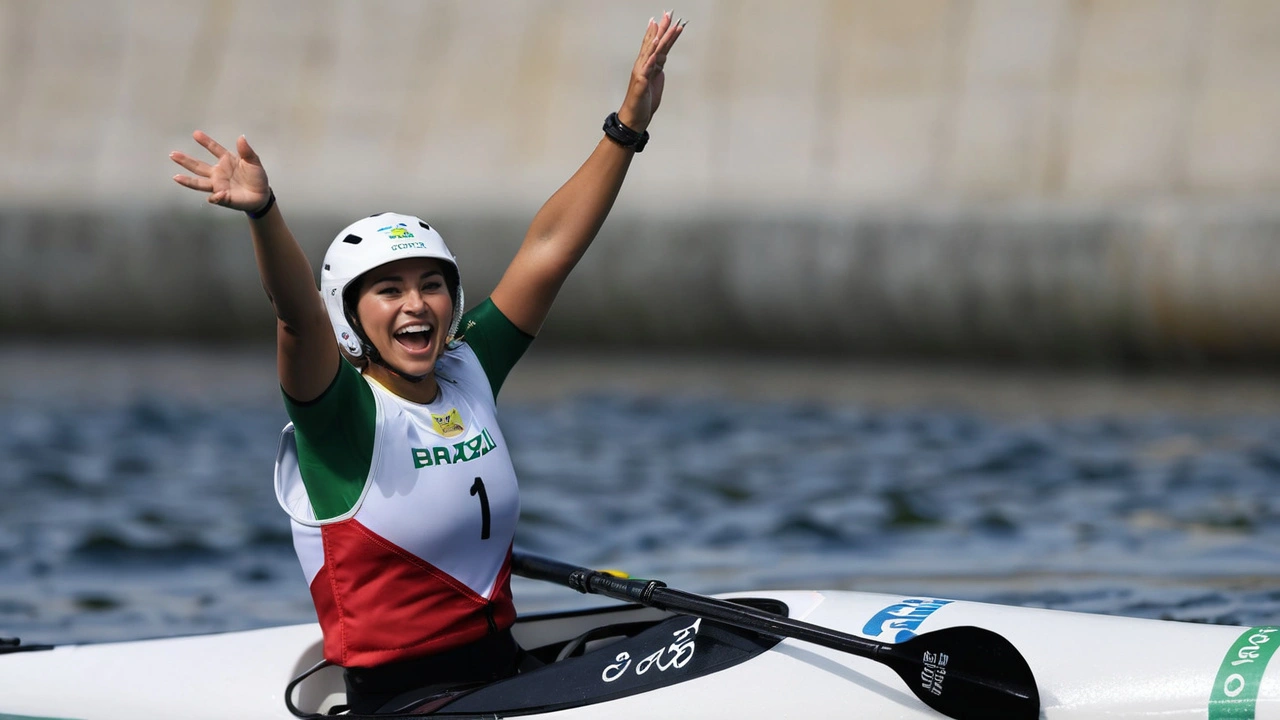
{"points": [[1087, 180]]}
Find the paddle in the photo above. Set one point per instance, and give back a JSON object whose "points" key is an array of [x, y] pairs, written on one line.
{"points": [[966, 673]]}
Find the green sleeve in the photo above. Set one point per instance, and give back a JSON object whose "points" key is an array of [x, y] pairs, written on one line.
{"points": [[497, 342], [334, 434]]}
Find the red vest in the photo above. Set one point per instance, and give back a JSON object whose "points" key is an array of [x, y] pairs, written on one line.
{"points": [[377, 603]]}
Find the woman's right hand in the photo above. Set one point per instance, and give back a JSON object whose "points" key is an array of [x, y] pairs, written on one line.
{"points": [[235, 181]]}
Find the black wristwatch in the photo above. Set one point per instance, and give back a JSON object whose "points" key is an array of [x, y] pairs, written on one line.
{"points": [[266, 207], [623, 135]]}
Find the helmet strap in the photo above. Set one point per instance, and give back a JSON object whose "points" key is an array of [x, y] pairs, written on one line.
{"points": [[372, 353], [374, 357]]}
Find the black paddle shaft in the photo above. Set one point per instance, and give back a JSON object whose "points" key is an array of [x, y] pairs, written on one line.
{"points": [[966, 673]]}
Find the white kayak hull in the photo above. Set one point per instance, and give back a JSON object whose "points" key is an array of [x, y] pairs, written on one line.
{"points": [[1086, 666]]}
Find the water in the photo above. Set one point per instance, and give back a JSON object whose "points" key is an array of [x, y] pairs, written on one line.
{"points": [[138, 502]]}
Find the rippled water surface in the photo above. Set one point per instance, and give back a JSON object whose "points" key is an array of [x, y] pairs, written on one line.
{"points": [[141, 516]]}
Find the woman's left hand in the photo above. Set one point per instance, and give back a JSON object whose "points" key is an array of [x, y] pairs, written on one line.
{"points": [[644, 92]]}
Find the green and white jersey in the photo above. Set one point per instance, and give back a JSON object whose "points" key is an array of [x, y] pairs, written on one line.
{"points": [[404, 513]]}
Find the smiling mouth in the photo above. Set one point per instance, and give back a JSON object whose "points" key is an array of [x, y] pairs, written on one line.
{"points": [[415, 338]]}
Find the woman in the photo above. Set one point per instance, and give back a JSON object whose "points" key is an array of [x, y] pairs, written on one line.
{"points": [[396, 476]]}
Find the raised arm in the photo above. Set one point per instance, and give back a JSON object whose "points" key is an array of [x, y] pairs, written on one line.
{"points": [[307, 355], [567, 223]]}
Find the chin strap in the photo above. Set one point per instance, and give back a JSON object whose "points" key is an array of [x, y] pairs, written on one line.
{"points": [[374, 357]]}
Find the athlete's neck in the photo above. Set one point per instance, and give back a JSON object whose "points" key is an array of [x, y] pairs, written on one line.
{"points": [[423, 392]]}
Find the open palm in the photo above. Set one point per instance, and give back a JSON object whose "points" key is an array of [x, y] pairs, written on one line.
{"points": [[235, 181]]}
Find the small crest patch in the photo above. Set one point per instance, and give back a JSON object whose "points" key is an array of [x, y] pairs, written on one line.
{"points": [[449, 424]]}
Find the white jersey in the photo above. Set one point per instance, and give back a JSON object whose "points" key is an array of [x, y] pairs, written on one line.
{"points": [[428, 542]]}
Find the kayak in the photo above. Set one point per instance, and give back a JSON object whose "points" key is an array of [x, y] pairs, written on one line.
{"points": [[628, 659]]}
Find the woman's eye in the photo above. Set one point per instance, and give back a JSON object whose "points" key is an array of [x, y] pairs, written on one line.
{"points": [[388, 291], [433, 286]]}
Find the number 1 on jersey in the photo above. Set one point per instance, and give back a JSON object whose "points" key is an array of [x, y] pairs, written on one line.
{"points": [[478, 488]]}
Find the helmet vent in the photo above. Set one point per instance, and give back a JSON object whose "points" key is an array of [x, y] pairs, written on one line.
{"points": [[353, 239], [424, 225], [326, 266]]}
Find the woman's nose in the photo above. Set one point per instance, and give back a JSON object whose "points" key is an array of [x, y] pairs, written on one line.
{"points": [[414, 302]]}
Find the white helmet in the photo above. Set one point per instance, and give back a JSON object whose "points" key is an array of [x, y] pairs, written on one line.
{"points": [[366, 244]]}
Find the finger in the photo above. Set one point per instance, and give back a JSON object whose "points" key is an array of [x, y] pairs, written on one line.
{"points": [[209, 144], [659, 81], [664, 23], [655, 65], [658, 31], [246, 153], [669, 37], [658, 61], [199, 184], [649, 34], [191, 164], [667, 32], [646, 45]]}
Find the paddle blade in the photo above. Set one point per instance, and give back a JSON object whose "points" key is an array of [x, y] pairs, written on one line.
{"points": [[966, 673]]}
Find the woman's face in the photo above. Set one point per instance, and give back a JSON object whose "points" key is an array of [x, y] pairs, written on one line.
{"points": [[405, 310]]}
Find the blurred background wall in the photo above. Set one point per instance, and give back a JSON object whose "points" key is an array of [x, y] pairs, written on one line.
{"points": [[1058, 181]]}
